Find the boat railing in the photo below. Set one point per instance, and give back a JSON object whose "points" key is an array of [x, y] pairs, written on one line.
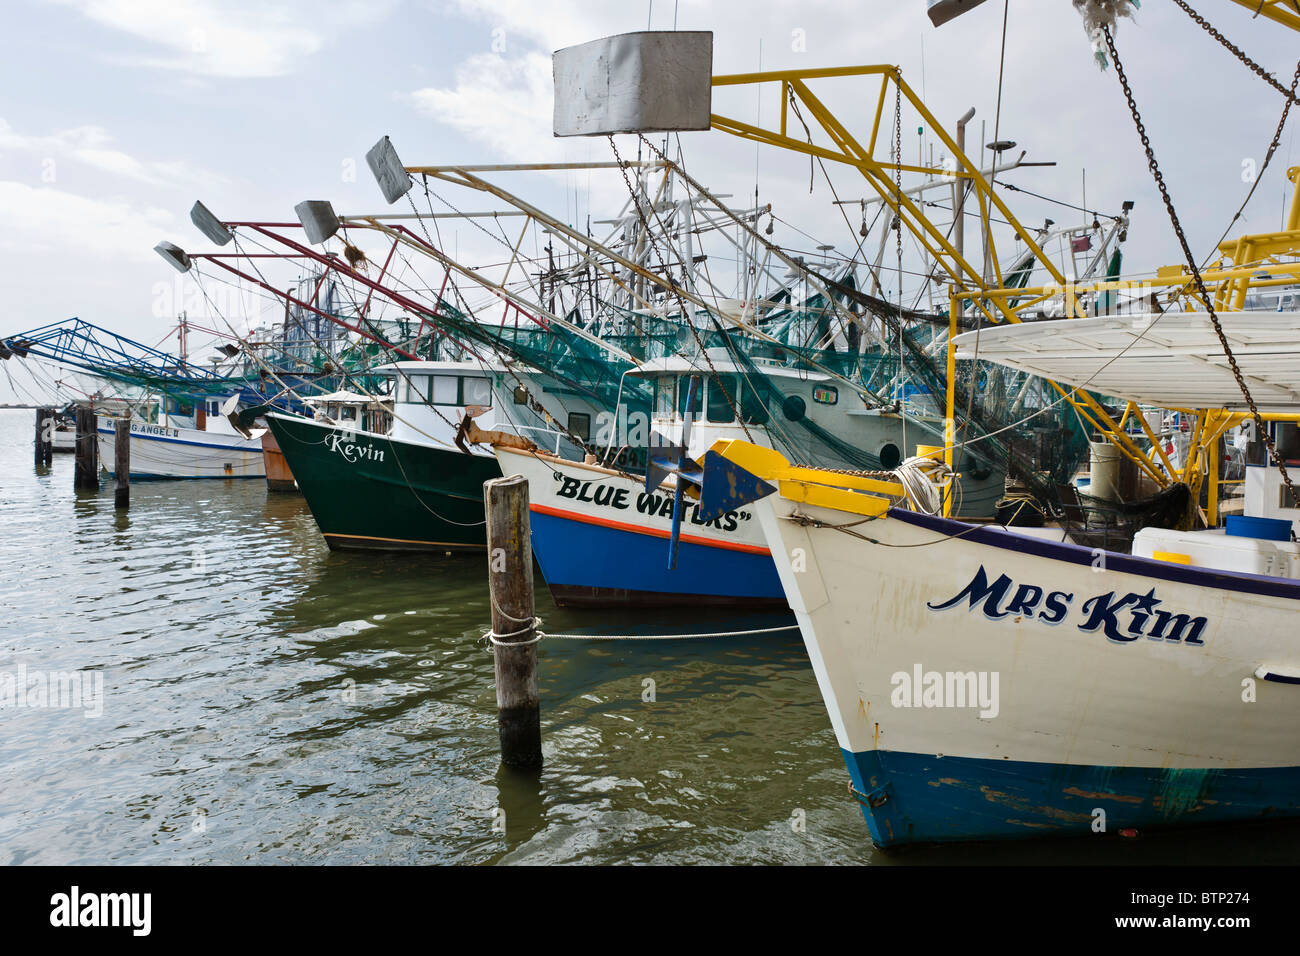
{"points": [[535, 432]]}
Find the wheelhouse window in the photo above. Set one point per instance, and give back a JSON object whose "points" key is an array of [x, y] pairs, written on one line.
{"points": [[178, 406], [412, 389], [476, 391], [445, 390], [723, 391], [580, 425], [665, 396], [752, 408]]}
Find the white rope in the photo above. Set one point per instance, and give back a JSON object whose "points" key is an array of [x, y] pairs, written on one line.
{"points": [[497, 639], [921, 478], [669, 637]]}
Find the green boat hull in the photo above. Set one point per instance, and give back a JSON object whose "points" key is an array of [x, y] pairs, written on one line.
{"points": [[371, 493]]}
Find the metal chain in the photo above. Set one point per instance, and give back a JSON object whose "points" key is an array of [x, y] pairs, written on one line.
{"points": [[1238, 52], [1199, 281], [898, 177]]}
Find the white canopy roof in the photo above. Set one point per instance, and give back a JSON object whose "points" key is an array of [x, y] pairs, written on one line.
{"points": [[1172, 360], [346, 398]]}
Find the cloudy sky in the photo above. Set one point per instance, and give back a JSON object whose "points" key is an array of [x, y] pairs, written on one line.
{"points": [[118, 114]]}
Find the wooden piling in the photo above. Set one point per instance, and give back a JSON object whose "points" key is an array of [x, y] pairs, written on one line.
{"points": [[510, 582], [86, 472], [44, 436], [122, 464]]}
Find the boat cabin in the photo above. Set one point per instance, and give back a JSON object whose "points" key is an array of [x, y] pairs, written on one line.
{"points": [[354, 410], [732, 402]]}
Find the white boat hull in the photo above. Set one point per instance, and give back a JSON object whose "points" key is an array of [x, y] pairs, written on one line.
{"points": [[984, 684], [162, 451]]}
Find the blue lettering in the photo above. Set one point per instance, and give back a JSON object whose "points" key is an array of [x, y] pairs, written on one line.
{"points": [[1058, 605], [1026, 599], [1181, 623], [1101, 612], [979, 591]]}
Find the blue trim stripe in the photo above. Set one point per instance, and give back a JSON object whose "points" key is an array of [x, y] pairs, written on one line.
{"points": [[578, 554], [1280, 678], [182, 441], [1071, 553], [146, 476]]}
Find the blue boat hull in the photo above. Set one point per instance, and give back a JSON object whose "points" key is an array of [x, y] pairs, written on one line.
{"points": [[923, 798], [599, 566]]}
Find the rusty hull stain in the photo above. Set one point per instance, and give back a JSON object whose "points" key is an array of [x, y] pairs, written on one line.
{"points": [[1100, 795]]}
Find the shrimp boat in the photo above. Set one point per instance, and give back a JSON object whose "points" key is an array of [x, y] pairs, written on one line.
{"points": [[414, 486], [179, 439], [345, 408], [985, 683], [599, 533]]}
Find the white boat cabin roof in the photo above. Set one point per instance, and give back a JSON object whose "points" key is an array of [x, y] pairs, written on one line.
{"points": [[427, 367], [723, 363], [1172, 360], [347, 398]]}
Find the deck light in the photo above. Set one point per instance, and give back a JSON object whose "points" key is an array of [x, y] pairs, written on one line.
{"points": [[175, 255], [388, 170], [210, 225], [318, 219]]}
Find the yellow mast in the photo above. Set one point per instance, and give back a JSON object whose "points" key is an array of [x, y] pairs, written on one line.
{"points": [[1279, 11]]}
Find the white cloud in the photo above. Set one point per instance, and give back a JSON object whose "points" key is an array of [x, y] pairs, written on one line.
{"points": [[551, 23], [92, 146], [224, 39], [503, 103], [47, 221]]}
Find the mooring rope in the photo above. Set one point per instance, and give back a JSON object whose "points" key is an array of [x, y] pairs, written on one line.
{"points": [[497, 639]]}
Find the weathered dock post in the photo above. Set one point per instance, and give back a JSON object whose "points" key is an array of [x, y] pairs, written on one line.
{"points": [[122, 464], [86, 472], [44, 436], [514, 642]]}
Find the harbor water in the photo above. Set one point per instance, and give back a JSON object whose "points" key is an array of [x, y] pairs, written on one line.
{"points": [[265, 700]]}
